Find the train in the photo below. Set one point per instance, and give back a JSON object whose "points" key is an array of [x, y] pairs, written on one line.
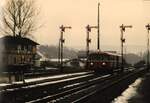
{"points": [[103, 62]]}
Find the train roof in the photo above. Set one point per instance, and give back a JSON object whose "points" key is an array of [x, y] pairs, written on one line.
{"points": [[106, 53]]}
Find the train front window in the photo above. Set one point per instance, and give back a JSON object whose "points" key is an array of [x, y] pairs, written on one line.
{"points": [[95, 57], [105, 57], [98, 57]]}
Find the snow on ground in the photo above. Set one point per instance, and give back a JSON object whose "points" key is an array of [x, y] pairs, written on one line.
{"points": [[4, 84], [129, 92], [53, 77], [43, 78], [52, 82]]}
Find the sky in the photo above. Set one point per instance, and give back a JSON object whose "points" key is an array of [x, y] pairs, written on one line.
{"points": [[79, 13]]}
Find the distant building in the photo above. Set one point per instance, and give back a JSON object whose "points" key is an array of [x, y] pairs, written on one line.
{"points": [[82, 54], [111, 51], [17, 53]]}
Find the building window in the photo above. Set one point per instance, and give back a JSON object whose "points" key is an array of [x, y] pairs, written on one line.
{"points": [[25, 49], [34, 49], [22, 59], [19, 48], [29, 48], [9, 59]]}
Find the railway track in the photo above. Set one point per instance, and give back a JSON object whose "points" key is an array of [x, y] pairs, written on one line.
{"points": [[81, 93], [40, 80], [31, 91], [74, 89]]}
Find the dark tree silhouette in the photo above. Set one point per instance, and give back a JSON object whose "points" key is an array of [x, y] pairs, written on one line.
{"points": [[18, 18]]}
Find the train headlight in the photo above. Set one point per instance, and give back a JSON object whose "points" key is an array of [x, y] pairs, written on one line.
{"points": [[103, 63], [91, 64]]}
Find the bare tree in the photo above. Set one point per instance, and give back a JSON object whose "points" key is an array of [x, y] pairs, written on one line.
{"points": [[18, 18]]}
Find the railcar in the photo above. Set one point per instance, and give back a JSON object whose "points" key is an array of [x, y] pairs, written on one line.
{"points": [[103, 62]]}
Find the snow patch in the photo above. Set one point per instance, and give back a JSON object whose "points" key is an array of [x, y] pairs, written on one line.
{"points": [[129, 93]]}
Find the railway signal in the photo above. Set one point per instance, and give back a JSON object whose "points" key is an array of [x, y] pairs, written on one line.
{"points": [[88, 40], [148, 28], [123, 28], [61, 41]]}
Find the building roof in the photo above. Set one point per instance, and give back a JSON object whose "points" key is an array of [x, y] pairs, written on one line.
{"points": [[17, 40], [106, 53]]}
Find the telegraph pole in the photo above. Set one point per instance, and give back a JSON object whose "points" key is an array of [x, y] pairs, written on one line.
{"points": [[61, 41], [98, 29], [122, 28], [148, 28]]}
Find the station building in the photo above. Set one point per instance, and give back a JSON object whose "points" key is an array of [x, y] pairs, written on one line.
{"points": [[17, 54]]}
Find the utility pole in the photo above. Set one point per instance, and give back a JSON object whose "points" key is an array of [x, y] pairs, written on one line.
{"points": [[148, 28], [98, 29], [61, 41], [88, 40], [122, 28]]}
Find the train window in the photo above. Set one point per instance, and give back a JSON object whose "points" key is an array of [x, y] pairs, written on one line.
{"points": [[95, 57], [99, 57], [112, 57], [105, 57]]}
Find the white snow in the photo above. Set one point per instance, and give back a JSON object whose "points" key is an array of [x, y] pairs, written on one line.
{"points": [[54, 77], [59, 81], [4, 84], [128, 93], [46, 78]]}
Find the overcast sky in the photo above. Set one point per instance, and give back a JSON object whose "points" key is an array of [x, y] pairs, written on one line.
{"points": [[79, 13]]}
